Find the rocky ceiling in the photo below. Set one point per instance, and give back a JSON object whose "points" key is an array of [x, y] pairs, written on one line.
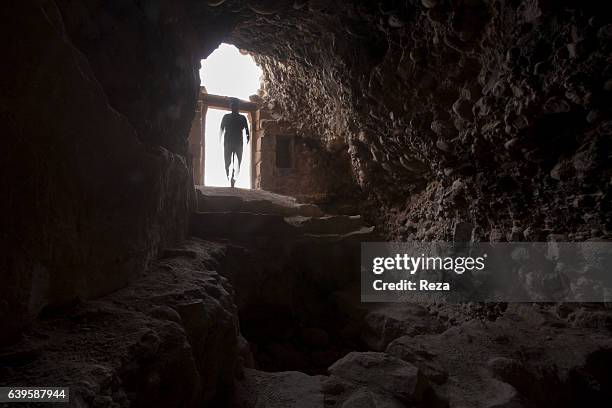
{"points": [[495, 113]]}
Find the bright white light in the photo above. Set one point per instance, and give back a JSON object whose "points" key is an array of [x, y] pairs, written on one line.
{"points": [[229, 73]]}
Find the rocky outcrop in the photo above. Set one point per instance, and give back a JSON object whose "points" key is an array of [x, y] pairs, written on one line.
{"points": [[509, 361], [521, 359], [169, 339]]}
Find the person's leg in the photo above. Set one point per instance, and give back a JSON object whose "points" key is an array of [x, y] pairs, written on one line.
{"points": [[233, 179], [239, 155], [227, 153]]}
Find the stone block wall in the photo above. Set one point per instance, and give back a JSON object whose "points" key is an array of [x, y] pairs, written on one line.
{"points": [[312, 173]]}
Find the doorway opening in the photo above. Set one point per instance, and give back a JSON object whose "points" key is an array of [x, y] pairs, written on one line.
{"points": [[227, 72], [214, 173]]}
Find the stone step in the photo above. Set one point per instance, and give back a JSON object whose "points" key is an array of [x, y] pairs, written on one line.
{"points": [[240, 225], [246, 214], [246, 225], [329, 224], [222, 199]]}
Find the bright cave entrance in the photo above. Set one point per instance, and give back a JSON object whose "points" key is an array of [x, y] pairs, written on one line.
{"points": [[232, 73]]}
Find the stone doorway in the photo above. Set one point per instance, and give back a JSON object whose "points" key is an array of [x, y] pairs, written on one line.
{"points": [[197, 136]]}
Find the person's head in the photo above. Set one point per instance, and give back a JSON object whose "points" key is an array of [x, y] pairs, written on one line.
{"points": [[234, 105]]}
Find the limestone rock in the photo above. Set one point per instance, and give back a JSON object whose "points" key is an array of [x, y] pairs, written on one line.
{"points": [[388, 322], [419, 355], [394, 376], [288, 389]]}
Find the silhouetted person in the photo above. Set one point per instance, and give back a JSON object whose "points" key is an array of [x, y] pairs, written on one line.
{"points": [[232, 125]]}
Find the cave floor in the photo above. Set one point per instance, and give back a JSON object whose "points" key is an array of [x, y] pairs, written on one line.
{"points": [[261, 308]]}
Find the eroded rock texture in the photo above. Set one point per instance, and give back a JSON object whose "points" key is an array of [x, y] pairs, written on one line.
{"points": [[495, 113], [169, 339]]}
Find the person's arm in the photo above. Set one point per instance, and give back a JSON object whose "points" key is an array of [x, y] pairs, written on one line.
{"points": [[222, 128], [246, 127]]}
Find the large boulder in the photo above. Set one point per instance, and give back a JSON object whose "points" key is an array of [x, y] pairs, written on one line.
{"points": [[382, 372]]}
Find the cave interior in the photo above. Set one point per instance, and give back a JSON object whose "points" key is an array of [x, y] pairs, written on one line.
{"points": [[129, 281]]}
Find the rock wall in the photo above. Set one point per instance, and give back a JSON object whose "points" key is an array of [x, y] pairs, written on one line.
{"points": [[85, 205], [146, 55], [492, 113]]}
